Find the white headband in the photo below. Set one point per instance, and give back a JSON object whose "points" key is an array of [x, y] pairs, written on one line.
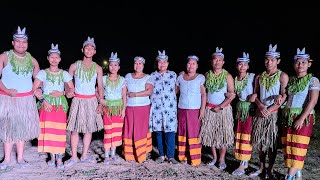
{"points": [[54, 49], [114, 58], [139, 58], [20, 33], [272, 52], [162, 56], [89, 41]]}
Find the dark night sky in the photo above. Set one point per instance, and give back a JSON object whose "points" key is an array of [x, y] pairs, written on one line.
{"points": [[134, 28]]}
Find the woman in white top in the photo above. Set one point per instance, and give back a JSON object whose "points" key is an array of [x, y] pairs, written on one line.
{"points": [[243, 85], [53, 108], [190, 110], [136, 135], [303, 93], [114, 106]]}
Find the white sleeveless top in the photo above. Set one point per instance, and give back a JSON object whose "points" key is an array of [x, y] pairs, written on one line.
{"points": [[115, 93], [300, 99], [85, 87], [267, 97], [137, 85], [218, 97], [22, 82], [48, 86], [248, 90], [190, 92]]}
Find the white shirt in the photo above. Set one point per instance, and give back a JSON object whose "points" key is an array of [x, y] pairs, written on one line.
{"points": [[137, 85], [190, 92]]}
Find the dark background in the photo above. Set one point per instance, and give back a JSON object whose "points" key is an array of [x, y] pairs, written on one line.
{"points": [[138, 28]]}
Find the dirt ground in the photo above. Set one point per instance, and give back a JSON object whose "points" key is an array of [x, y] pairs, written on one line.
{"points": [[39, 170]]}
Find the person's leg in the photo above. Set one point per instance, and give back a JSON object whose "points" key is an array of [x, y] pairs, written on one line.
{"points": [[20, 149], [214, 155], [52, 160], [60, 165], [170, 138], [74, 138], [86, 144], [262, 158], [7, 152], [222, 154], [7, 147], [74, 145], [160, 146], [170, 141], [272, 154]]}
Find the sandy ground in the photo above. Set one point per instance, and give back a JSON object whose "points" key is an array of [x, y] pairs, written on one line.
{"points": [[38, 168]]}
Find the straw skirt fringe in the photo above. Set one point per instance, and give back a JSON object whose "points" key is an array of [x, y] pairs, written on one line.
{"points": [[83, 117], [19, 119], [217, 128], [264, 132]]}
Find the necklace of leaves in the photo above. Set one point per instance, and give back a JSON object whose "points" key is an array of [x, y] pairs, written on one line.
{"points": [[85, 73], [296, 84], [21, 65], [53, 77], [239, 85], [215, 83], [112, 84], [269, 81]]}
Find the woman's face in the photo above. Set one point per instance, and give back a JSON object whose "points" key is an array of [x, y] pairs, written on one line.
{"points": [[163, 65], [114, 67], [192, 66], [138, 66], [242, 67], [301, 65], [54, 59]]}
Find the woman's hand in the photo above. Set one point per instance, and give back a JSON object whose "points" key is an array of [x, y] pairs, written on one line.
{"points": [[216, 109], [123, 113], [12, 92], [202, 112], [47, 107], [298, 124], [132, 94], [56, 93], [99, 109]]}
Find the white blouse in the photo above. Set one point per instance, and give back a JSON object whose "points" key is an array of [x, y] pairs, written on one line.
{"points": [[137, 85], [190, 92]]}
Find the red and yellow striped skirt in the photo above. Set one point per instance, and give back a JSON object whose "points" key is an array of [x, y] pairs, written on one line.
{"points": [[295, 144], [136, 136], [52, 137]]}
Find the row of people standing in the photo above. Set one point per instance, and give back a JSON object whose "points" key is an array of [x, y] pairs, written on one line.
{"points": [[204, 118]]}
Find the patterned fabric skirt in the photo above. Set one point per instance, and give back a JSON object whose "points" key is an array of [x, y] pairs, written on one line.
{"points": [[217, 128], [243, 148], [264, 132], [53, 125], [189, 146], [113, 127], [295, 144], [136, 135], [19, 118], [83, 117]]}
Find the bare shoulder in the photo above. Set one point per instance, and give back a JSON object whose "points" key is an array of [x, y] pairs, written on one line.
{"points": [[229, 76], [34, 60], [99, 68], [3, 57], [284, 75]]}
